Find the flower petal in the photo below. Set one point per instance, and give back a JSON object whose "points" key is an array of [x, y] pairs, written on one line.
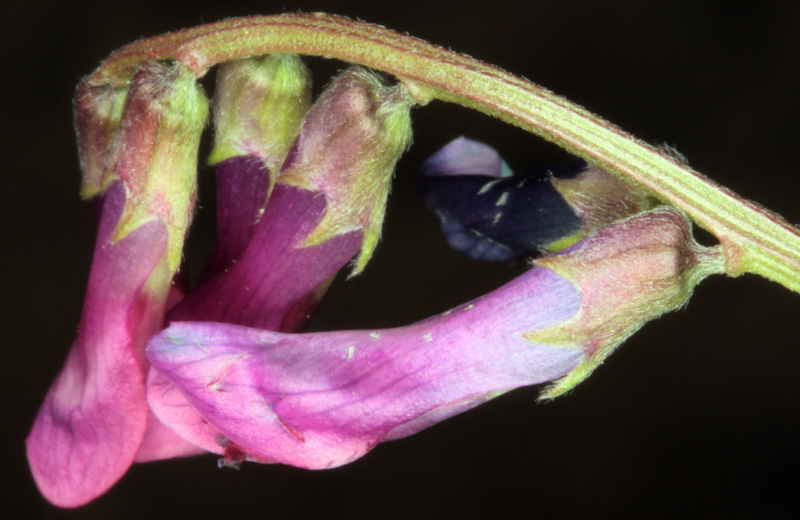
{"points": [[172, 408], [463, 156], [243, 184], [499, 219], [487, 214], [276, 272], [94, 417]]}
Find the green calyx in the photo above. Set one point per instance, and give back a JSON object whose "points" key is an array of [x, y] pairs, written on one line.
{"points": [[156, 152], [259, 108]]}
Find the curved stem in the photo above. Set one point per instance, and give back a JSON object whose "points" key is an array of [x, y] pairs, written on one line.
{"points": [[755, 240]]}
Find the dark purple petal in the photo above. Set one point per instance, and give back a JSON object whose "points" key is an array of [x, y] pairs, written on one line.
{"points": [[277, 272], [499, 219], [242, 188], [488, 214]]}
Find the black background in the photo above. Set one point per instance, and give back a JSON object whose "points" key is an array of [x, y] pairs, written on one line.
{"points": [[697, 416]]}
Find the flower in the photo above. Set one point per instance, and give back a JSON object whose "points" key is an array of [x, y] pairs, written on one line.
{"points": [[321, 400], [302, 191], [326, 206], [285, 245], [488, 213], [94, 417]]}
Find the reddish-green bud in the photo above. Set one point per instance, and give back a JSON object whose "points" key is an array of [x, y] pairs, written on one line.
{"points": [[347, 149], [628, 273], [599, 199], [156, 152]]}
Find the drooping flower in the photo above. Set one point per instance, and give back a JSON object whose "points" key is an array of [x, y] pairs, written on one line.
{"points": [[258, 110], [324, 399], [327, 204], [488, 213], [143, 162]]}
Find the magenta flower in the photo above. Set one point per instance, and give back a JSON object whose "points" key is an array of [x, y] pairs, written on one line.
{"points": [[326, 206], [94, 417], [324, 399], [301, 192], [321, 400]]}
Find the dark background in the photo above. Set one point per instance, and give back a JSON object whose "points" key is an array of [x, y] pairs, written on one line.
{"points": [[697, 416]]}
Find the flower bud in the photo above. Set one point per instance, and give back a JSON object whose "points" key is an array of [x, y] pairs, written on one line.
{"points": [[598, 198], [628, 273], [347, 150], [259, 106], [489, 214]]}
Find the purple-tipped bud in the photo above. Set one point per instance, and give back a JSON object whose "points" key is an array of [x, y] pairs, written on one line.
{"points": [[156, 151], [488, 213], [327, 204], [628, 273], [347, 150]]}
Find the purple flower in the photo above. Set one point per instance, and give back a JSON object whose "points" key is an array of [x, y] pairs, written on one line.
{"points": [[320, 400], [324, 399], [313, 198], [325, 208], [488, 213], [301, 192]]}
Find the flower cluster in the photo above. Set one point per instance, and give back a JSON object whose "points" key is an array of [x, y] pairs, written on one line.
{"points": [[160, 371]]}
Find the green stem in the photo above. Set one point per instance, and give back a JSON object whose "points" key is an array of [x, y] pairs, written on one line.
{"points": [[754, 239]]}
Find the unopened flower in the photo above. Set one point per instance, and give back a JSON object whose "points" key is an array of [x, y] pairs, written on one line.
{"points": [[488, 213], [258, 110]]}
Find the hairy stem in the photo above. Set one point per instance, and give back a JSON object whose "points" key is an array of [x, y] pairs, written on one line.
{"points": [[754, 239]]}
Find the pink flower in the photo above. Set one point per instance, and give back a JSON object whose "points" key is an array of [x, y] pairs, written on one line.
{"points": [[94, 417], [272, 264], [301, 192], [324, 399]]}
